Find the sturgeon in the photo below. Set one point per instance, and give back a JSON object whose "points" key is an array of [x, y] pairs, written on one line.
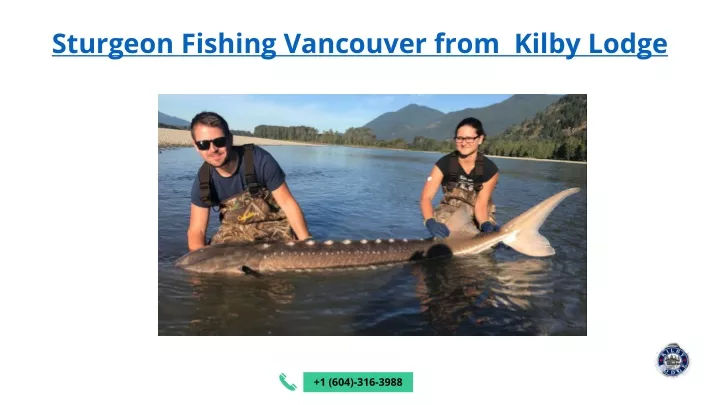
{"points": [[521, 234]]}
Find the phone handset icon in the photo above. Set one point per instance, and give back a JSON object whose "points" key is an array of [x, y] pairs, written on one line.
{"points": [[291, 387]]}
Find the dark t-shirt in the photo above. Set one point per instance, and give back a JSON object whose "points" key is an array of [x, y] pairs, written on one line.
{"points": [[466, 181], [268, 172]]}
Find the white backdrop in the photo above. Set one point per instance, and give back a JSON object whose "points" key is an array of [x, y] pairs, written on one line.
{"points": [[79, 301]]}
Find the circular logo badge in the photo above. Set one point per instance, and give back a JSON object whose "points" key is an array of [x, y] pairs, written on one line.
{"points": [[673, 360]]}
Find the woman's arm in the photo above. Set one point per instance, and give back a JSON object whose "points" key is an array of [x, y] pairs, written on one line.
{"points": [[483, 199], [428, 193], [437, 229]]}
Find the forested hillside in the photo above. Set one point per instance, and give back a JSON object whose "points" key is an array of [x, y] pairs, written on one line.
{"points": [[559, 132], [415, 121]]}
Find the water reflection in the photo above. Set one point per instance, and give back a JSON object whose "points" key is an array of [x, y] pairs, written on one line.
{"points": [[479, 295], [228, 305]]}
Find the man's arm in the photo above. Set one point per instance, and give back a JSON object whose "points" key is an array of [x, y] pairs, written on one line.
{"points": [[271, 174], [483, 198], [199, 218], [287, 202]]}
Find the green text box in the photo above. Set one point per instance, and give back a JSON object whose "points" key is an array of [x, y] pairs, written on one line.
{"points": [[357, 382]]}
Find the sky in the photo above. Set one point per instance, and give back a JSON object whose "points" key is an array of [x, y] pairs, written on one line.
{"points": [[321, 111]]}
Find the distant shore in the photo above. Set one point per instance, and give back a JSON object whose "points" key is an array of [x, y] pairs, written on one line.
{"points": [[169, 138], [175, 138], [538, 160]]}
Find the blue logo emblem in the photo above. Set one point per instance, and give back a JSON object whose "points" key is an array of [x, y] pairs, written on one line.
{"points": [[673, 360]]}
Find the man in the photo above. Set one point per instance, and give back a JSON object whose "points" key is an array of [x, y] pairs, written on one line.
{"points": [[468, 179], [247, 184]]}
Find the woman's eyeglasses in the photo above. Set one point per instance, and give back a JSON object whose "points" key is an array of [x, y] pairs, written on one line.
{"points": [[218, 142], [461, 139]]}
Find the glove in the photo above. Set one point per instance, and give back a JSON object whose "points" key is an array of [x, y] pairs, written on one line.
{"points": [[437, 229], [488, 226]]}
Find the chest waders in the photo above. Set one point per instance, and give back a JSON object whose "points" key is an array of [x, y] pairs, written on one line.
{"points": [[459, 196], [250, 216]]}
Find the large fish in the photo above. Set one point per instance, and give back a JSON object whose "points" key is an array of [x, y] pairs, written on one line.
{"points": [[521, 234]]}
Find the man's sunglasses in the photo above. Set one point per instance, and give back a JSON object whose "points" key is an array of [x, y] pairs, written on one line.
{"points": [[218, 142]]}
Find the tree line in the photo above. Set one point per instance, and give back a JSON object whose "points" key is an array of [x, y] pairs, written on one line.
{"points": [[187, 128], [569, 148], [351, 137]]}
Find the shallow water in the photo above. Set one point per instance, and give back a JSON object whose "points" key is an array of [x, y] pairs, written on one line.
{"points": [[354, 193]]}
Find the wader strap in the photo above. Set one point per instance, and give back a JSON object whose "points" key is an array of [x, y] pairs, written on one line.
{"points": [[477, 171], [250, 177], [205, 187], [454, 171]]}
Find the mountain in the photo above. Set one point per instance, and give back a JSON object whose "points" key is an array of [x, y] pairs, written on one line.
{"points": [[564, 118], [170, 120], [413, 120], [558, 132], [393, 124]]}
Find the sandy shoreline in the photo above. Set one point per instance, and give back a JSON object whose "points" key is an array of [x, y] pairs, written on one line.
{"points": [[178, 138], [170, 138]]}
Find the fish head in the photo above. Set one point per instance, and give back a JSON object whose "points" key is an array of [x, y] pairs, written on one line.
{"points": [[220, 258]]}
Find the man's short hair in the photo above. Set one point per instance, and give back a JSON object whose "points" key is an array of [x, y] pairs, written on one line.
{"points": [[210, 119]]}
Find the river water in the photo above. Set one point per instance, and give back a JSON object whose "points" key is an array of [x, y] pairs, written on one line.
{"points": [[356, 193]]}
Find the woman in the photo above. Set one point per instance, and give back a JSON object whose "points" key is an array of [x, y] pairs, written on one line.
{"points": [[468, 179]]}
